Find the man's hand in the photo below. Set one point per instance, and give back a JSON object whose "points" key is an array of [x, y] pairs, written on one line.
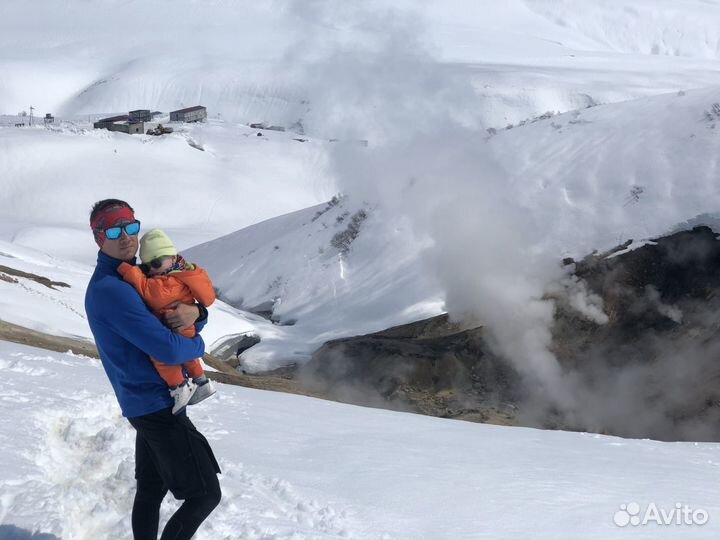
{"points": [[183, 316]]}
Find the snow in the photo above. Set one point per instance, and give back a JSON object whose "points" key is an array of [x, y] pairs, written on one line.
{"points": [[577, 174], [447, 216], [311, 285], [600, 176], [61, 310], [194, 195], [297, 467], [526, 56], [580, 181], [58, 310], [590, 177]]}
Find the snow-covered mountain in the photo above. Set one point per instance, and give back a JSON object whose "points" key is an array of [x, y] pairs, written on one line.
{"points": [[251, 62], [560, 186], [402, 109]]}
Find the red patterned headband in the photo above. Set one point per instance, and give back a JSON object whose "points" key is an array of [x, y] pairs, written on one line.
{"points": [[112, 216]]}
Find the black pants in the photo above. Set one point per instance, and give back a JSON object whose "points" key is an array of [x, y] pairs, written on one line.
{"points": [[171, 454]]}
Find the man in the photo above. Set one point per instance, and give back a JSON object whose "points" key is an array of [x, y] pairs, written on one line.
{"points": [[170, 453]]}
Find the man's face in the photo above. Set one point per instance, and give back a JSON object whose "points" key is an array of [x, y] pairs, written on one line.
{"points": [[124, 248]]}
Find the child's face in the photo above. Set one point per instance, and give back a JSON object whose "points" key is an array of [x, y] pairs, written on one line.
{"points": [[166, 263]]}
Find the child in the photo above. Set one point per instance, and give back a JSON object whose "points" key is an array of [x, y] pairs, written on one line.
{"points": [[169, 280]]}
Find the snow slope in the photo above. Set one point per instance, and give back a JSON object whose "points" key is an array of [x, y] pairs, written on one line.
{"points": [[524, 56], [302, 468], [297, 266], [61, 310], [584, 180], [51, 178], [597, 177], [648, 27], [455, 217]]}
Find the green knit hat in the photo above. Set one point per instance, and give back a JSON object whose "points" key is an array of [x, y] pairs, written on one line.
{"points": [[155, 244]]}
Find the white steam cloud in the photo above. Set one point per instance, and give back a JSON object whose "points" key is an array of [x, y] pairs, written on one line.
{"points": [[428, 161]]}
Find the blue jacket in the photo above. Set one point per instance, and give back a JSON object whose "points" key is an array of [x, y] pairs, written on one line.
{"points": [[126, 334]]}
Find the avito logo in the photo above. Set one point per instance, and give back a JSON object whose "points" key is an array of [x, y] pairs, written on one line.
{"points": [[680, 514]]}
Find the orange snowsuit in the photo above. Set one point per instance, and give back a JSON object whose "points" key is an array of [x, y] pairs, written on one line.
{"points": [[186, 287]]}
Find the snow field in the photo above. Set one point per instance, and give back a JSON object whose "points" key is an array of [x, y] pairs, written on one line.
{"points": [[304, 468]]}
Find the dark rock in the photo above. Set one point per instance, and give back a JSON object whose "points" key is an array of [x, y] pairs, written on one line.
{"points": [[247, 341], [651, 370], [431, 366]]}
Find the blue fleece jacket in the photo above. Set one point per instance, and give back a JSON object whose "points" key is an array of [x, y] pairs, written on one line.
{"points": [[127, 334]]}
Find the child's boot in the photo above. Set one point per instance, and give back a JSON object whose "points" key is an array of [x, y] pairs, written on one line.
{"points": [[182, 394], [204, 388]]}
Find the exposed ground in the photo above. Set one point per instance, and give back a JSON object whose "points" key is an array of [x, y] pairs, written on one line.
{"points": [[649, 370], [224, 374], [419, 399]]}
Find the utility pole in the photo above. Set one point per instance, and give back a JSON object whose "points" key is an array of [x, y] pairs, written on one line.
{"points": [[31, 114]]}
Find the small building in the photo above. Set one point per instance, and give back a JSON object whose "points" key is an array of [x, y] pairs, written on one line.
{"points": [[105, 122], [191, 114], [121, 123], [132, 128], [141, 115]]}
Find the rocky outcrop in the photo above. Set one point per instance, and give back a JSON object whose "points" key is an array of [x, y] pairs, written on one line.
{"points": [[653, 369], [649, 368], [433, 367]]}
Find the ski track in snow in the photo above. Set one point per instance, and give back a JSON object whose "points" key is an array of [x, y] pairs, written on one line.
{"points": [[81, 457]]}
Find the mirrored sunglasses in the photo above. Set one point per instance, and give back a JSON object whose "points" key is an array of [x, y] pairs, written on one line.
{"points": [[131, 229]]}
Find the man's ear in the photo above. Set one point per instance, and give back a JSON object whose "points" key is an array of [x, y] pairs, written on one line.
{"points": [[98, 238]]}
